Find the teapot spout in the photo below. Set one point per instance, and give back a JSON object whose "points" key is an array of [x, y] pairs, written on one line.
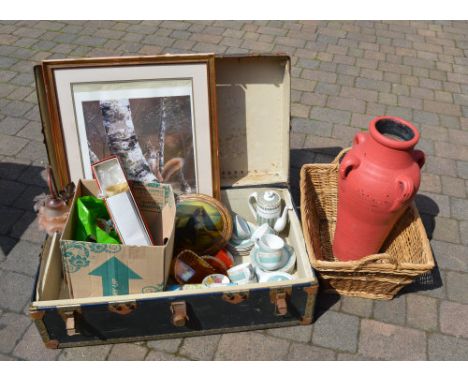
{"points": [[280, 224]]}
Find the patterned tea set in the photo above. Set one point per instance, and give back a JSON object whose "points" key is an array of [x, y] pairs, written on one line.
{"points": [[270, 257]]}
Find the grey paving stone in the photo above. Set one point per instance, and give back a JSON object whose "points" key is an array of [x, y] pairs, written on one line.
{"points": [[302, 352], [446, 230], [336, 331], [33, 175], [251, 346], [11, 125], [462, 169], [33, 151], [200, 348], [302, 333], [433, 204], [306, 126], [15, 290], [169, 345], [361, 307], [6, 245], [11, 145], [155, 355], [23, 258], [127, 352], [389, 342], [12, 328], [85, 353], [6, 62], [447, 348], [10, 191], [7, 358], [457, 287], [25, 199], [392, 311], [430, 183], [27, 228], [463, 231], [440, 166], [422, 312], [330, 115], [459, 208], [453, 318], [354, 357], [17, 108], [33, 130], [32, 348], [8, 216], [90, 41], [450, 256], [6, 75]]}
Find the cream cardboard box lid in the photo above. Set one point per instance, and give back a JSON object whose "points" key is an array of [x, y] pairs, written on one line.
{"points": [[253, 97], [94, 270], [120, 203]]}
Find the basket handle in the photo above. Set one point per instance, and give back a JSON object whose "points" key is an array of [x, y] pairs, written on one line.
{"points": [[340, 155], [375, 258]]}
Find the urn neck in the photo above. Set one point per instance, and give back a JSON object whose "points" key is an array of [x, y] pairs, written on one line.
{"points": [[394, 133], [394, 140]]}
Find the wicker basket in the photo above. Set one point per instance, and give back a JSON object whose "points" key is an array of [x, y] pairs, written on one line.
{"points": [[406, 252]]}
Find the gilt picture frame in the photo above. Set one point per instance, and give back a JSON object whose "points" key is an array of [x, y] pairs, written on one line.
{"points": [[156, 113]]}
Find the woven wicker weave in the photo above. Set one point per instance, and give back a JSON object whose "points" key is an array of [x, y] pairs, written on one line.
{"points": [[405, 255]]}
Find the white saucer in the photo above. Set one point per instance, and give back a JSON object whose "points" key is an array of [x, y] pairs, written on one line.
{"points": [[287, 265], [243, 248]]}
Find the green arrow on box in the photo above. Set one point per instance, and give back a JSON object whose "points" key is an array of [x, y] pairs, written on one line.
{"points": [[115, 277]]}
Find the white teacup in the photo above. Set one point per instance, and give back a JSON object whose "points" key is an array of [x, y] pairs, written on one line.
{"points": [[270, 251], [242, 274]]}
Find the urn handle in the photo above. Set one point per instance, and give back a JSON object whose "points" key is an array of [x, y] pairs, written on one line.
{"points": [[406, 191], [419, 157], [349, 163]]}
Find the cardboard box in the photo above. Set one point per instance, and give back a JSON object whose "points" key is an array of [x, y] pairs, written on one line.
{"points": [[93, 269]]}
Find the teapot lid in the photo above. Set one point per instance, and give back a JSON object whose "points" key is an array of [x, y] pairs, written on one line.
{"points": [[269, 199]]}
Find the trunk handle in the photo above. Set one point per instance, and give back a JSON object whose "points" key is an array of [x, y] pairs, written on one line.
{"points": [[179, 313]]}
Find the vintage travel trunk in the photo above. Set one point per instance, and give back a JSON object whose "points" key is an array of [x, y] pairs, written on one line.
{"points": [[253, 96]]}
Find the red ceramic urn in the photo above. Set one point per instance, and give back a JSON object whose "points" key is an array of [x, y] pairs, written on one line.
{"points": [[377, 180]]}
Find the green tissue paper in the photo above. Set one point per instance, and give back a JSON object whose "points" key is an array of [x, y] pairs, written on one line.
{"points": [[93, 222]]}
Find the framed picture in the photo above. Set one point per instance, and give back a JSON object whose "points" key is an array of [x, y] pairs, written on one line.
{"points": [[156, 113]]}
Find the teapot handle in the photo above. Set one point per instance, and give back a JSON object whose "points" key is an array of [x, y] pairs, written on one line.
{"points": [[252, 196]]}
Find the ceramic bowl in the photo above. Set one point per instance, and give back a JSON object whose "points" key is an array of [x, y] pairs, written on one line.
{"points": [[215, 280], [242, 274]]}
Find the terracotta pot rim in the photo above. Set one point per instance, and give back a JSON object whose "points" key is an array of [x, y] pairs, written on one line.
{"points": [[392, 143]]}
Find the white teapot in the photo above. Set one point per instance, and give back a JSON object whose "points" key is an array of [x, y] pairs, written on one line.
{"points": [[266, 208]]}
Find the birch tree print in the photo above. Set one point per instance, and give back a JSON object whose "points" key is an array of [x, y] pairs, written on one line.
{"points": [[122, 140], [152, 136]]}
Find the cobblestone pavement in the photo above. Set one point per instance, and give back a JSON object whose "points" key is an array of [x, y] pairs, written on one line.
{"points": [[344, 73]]}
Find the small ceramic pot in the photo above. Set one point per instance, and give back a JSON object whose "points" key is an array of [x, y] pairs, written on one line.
{"points": [[242, 274]]}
